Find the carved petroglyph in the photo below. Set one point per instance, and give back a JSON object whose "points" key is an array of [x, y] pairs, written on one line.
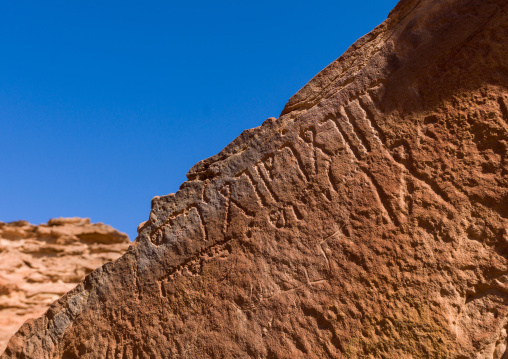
{"points": [[188, 223], [263, 180], [193, 267], [373, 116], [298, 213], [367, 104], [356, 125], [380, 198], [203, 191], [326, 138], [307, 282], [358, 145], [303, 170], [277, 218], [353, 129], [358, 131], [349, 134], [248, 192], [310, 150], [202, 223], [260, 197], [331, 179], [285, 216], [322, 249], [226, 192]]}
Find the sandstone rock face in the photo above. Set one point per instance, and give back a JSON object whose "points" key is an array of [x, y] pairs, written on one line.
{"points": [[368, 221], [38, 264]]}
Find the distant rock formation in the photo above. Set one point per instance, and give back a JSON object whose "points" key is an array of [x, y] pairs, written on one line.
{"points": [[38, 264], [370, 220]]}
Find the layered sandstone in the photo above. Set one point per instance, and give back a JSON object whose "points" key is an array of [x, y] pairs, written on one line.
{"points": [[368, 221], [38, 264]]}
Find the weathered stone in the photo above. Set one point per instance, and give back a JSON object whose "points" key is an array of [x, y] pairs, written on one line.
{"points": [[38, 264], [369, 220]]}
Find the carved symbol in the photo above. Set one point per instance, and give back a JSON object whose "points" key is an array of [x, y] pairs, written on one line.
{"points": [[263, 181], [296, 155], [192, 214], [226, 192]]}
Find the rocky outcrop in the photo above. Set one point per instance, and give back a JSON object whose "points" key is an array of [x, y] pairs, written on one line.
{"points": [[368, 221], [38, 264]]}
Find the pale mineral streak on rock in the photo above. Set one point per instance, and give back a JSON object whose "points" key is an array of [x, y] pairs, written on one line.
{"points": [[38, 264], [370, 220]]}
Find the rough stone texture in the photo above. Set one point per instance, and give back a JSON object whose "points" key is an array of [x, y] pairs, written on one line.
{"points": [[368, 221], [38, 264]]}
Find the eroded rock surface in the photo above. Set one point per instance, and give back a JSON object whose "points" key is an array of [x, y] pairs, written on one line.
{"points": [[38, 264], [368, 221]]}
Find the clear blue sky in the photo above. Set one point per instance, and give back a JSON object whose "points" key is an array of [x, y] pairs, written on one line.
{"points": [[105, 104]]}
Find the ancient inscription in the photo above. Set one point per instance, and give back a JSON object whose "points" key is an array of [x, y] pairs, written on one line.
{"points": [[188, 223]]}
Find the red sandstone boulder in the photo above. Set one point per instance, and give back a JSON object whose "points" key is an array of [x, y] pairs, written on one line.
{"points": [[368, 221], [38, 264]]}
